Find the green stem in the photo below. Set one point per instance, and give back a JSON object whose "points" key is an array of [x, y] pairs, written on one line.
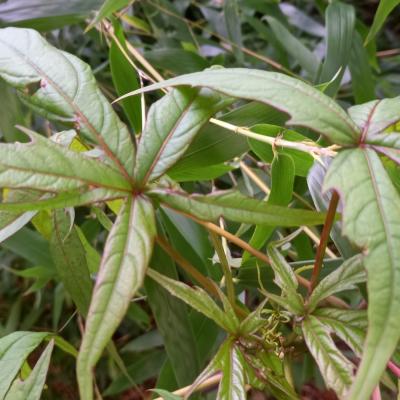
{"points": [[330, 218], [230, 288]]}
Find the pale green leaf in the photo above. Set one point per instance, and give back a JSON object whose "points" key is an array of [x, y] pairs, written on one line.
{"points": [[371, 219], [122, 270], [343, 278], [236, 207], [31, 388], [198, 299], [335, 368], [13, 222], [232, 385], [306, 105], [66, 91], [171, 126], [14, 349], [348, 325], [108, 7], [234, 27], [23, 166]]}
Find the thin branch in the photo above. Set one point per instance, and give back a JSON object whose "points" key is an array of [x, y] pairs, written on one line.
{"points": [[330, 218], [206, 384], [276, 141]]}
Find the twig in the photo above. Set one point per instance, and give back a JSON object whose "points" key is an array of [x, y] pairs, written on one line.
{"points": [[206, 384], [330, 218]]}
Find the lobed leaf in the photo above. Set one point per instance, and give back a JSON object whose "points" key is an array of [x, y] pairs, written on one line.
{"points": [[343, 278], [32, 387], [122, 270], [65, 90], [198, 299], [335, 368], [236, 207], [171, 126], [23, 166], [306, 105], [371, 219]]}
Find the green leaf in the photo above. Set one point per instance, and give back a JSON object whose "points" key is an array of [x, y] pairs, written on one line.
{"points": [[171, 125], [22, 166], [340, 19], [236, 207], [14, 349], [343, 278], [282, 180], [108, 7], [234, 27], [31, 388], [172, 318], [362, 79], [66, 91], [307, 106], [335, 368], [199, 174], [285, 278], [305, 57], [349, 325], [384, 9], [125, 79], [70, 260], [166, 395], [371, 219], [302, 161], [122, 270], [198, 299], [232, 385]]}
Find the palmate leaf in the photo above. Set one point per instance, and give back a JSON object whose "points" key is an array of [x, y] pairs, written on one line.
{"points": [[199, 300], [236, 207], [371, 219], [64, 90], [14, 349], [47, 166], [335, 368], [345, 277], [122, 270], [306, 105], [31, 388], [171, 126]]}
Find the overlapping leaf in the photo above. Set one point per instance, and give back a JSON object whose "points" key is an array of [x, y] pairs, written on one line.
{"points": [[307, 106], [123, 267], [371, 219], [172, 124], [236, 207], [61, 87]]}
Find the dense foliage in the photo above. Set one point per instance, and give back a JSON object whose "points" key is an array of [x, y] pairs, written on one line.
{"points": [[199, 198]]}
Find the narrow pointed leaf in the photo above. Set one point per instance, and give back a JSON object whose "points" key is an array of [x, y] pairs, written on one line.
{"points": [[14, 349], [198, 299], [306, 105], [371, 219], [384, 9], [66, 91], [349, 325], [232, 385], [234, 27], [335, 368], [340, 19], [171, 126], [236, 207], [22, 166], [70, 260], [345, 277], [13, 222], [32, 387], [122, 270]]}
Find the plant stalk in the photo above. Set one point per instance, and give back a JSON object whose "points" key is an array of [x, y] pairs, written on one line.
{"points": [[330, 218]]}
